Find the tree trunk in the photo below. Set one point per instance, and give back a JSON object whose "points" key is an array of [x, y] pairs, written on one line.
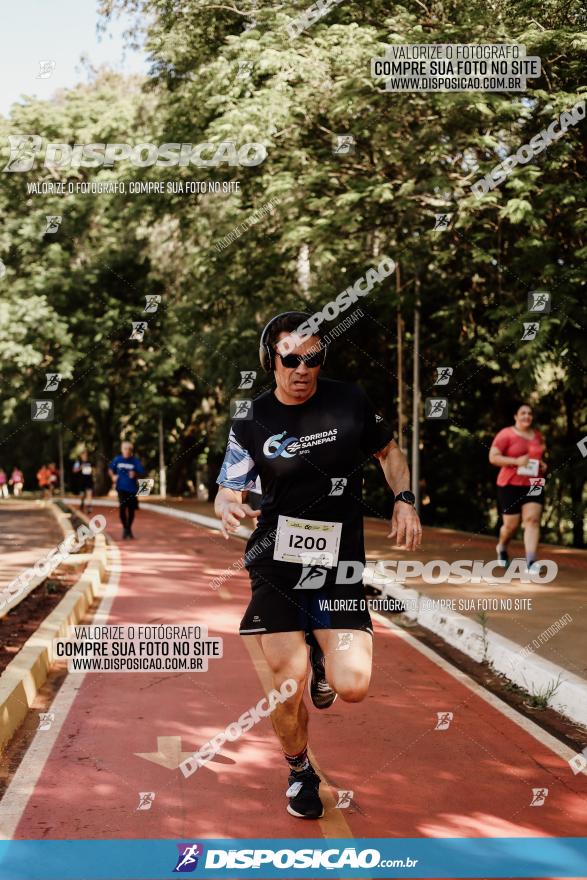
{"points": [[105, 446]]}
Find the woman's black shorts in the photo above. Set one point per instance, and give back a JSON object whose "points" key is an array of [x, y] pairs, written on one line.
{"points": [[512, 498]]}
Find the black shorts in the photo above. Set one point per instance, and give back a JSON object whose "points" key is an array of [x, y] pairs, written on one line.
{"points": [[511, 498], [274, 609], [85, 482], [128, 499]]}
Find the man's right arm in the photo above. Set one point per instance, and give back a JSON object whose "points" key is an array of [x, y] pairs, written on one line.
{"points": [[237, 475], [229, 508]]}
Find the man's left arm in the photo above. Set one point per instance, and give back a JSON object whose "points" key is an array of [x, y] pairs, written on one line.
{"points": [[405, 522]]}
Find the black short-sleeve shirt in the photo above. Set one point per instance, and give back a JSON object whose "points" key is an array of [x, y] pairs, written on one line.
{"points": [[309, 459]]}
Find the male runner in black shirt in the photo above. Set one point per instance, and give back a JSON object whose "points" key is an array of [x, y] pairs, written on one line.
{"points": [[307, 440]]}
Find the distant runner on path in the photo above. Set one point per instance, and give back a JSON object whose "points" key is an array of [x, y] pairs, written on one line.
{"points": [[124, 470], [83, 471], [17, 481], [518, 453], [44, 480]]}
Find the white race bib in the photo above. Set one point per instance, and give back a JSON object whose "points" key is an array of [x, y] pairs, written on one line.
{"points": [[307, 541], [531, 469], [87, 469]]}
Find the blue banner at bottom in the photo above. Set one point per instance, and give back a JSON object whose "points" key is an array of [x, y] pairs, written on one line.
{"points": [[547, 857]]}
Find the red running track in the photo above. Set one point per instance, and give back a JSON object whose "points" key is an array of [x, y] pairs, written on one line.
{"points": [[409, 780]]}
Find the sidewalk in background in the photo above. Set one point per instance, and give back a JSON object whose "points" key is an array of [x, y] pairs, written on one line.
{"points": [[28, 530]]}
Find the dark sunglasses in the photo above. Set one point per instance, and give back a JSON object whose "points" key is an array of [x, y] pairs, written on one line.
{"points": [[291, 361]]}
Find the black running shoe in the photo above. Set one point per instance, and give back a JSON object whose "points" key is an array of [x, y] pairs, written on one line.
{"points": [[321, 693], [304, 800], [503, 558]]}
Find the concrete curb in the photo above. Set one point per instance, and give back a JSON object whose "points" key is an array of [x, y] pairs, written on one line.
{"points": [[533, 673], [26, 674]]}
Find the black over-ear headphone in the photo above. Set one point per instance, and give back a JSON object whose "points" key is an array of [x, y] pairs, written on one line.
{"points": [[265, 350]]}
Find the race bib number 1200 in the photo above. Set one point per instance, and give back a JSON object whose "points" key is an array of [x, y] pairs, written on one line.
{"points": [[307, 541]]}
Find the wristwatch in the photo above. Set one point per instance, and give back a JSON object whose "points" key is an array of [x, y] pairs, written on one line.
{"points": [[406, 496]]}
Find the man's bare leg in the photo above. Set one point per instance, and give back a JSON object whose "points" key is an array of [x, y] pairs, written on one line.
{"points": [[348, 657], [287, 657]]}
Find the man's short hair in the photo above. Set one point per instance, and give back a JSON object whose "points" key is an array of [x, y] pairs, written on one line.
{"points": [[288, 324]]}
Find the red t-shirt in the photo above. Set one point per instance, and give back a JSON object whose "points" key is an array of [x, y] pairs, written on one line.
{"points": [[510, 443]]}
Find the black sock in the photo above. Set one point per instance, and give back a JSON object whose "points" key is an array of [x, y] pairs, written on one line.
{"points": [[298, 762]]}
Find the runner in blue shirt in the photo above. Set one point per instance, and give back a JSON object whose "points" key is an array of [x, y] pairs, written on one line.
{"points": [[124, 470]]}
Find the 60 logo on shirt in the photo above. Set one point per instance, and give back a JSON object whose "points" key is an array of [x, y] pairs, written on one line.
{"points": [[276, 445]]}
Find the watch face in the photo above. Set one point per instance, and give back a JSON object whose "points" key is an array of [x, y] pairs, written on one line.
{"points": [[409, 497]]}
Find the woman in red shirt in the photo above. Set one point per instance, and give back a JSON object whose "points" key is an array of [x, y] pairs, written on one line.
{"points": [[517, 452]]}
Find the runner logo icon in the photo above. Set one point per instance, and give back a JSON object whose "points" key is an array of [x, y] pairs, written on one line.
{"points": [[313, 577], [444, 720], [187, 860], [53, 380], [539, 796], [344, 799], [146, 799]]}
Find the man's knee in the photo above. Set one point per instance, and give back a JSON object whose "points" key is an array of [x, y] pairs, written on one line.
{"points": [[531, 519], [351, 685], [288, 668]]}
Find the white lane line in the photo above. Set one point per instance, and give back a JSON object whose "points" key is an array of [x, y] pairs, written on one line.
{"points": [[24, 781], [526, 724]]}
